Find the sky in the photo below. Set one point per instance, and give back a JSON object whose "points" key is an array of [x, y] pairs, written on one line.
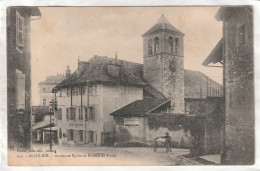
{"points": [[64, 34]]}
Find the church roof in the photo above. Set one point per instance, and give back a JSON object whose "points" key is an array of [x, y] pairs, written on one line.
{"points": [[162, 24], [199, 86]]}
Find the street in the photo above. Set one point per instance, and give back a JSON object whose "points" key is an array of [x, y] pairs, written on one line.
{"points": [[119, 155]]}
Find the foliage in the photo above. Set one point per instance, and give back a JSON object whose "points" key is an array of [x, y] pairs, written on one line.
{"points": [[122, 136]]}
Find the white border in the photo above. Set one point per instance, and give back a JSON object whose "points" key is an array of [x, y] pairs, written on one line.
{"points": [[3, 80]]}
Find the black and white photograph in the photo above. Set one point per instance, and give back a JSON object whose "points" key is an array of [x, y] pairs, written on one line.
{"points": [[130, 85]]}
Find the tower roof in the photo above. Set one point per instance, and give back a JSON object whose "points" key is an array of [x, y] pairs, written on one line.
{"points": [[162, 24]]}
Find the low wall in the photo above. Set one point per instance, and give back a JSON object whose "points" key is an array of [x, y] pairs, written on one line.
{"points": [[179, 138]]}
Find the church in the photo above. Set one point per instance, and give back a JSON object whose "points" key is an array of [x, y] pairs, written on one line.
{"points": [[105, 95]]}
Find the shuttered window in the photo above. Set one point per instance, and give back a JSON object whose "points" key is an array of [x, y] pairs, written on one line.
{"points": [[19, 30], [20, 90]]}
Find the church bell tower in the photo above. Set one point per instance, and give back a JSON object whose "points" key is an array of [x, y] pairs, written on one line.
{"points": [[163, 62]]}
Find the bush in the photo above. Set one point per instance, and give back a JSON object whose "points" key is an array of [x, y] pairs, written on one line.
{"points": [[122, 136]]}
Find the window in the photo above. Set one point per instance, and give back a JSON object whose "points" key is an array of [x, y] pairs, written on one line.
{"points": [[81, 135], [91, 136], [59, 114], [150, 47], [170, 42], [156, 45], [241, 35], [80, 110], [86, 114], [72, 113], [70, 134], [60, 92], [119, 121], [44, 102], [20, 89], [43, 90], [176, 45], [91, 114], [19, 30], [67, 114]]}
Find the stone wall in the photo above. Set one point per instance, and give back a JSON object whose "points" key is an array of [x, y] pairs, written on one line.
{"points": [[239, 88]]}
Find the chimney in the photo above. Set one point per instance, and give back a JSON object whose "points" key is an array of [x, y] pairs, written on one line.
{"points": [[116, 57], [68, 72], [78, 62]]}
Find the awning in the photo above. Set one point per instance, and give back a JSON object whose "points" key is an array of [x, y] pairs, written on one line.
{"points": [[40, 125], [216, 55]]}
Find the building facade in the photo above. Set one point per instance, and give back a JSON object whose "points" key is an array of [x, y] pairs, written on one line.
{"points": [[45, 88], [235, 52], [19, 74]]}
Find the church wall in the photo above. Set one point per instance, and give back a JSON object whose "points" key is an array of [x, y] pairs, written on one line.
{"points": [[173, 82]]}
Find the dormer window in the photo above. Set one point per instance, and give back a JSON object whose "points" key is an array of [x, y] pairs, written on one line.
{"points": [[170, 41], [150, 47], [19, 30], [156, 45], [176, 45]]}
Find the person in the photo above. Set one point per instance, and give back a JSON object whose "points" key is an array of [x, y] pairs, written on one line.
{"points": [[155, 144], [167, 142]]}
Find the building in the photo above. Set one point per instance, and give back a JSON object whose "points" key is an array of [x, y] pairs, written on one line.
{"points": [[45, 88], [41, 117], [130, 91], [42, 120], [87, 97], [19, 74], [235, 52]]}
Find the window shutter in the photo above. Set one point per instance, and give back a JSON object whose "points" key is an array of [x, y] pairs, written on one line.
{"points": [[68, 134], [19, 29], [20, 89]]}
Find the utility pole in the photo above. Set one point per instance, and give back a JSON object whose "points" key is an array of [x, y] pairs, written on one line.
{"points": [[50, 129], [53, 107]]}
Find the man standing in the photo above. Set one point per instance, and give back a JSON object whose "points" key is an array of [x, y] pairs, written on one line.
{"points": [[167, 142]]}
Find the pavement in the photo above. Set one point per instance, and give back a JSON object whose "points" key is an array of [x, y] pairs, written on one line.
{"points": [[212, 158], [126, 155]]}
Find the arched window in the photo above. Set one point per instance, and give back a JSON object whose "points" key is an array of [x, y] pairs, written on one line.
{"points": [[176, 45], [150, 47], [156, 45], [170, 41]]}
